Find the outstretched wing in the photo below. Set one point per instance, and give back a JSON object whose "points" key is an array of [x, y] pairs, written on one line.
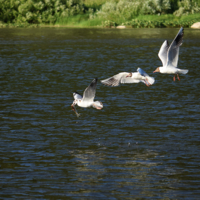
{"points": [[115, 80], [130, 80], [173, 51], [90, 91], [162, 54]]}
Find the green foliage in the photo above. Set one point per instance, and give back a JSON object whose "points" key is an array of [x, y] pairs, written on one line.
{"points": [[108, 24], [154, 21], [174, 5], [187, 7], [124, 10], [155, 7], [38, 11], [135, 13]]}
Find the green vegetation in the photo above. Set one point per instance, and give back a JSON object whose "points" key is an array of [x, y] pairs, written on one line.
{"points": [[132, 13], [163, 21], [38, 11]]}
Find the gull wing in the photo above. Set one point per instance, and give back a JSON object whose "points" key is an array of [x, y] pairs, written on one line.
{"points": [[162, 54], [90, 91], [77, 96], [135, 78], [173, 51], [115, 80], [130, 80]]}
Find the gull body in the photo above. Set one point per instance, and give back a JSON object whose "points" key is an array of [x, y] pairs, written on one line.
{"points": [[169, 56], [129, 77], [87, 100]]}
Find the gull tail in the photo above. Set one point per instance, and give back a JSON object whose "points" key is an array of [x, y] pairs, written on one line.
{"points": [[183, 71], [150, 80]]}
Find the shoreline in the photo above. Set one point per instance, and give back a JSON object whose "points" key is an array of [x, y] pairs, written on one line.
{"points": [[78, 26]]}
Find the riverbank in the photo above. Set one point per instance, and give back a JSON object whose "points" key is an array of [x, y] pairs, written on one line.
{"points": [[142, 21]]}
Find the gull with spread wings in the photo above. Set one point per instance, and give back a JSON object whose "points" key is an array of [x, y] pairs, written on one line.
{"points": [[129, 77], [88, 98], [169, 56]]}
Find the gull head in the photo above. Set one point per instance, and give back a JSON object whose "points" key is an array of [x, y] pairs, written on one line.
{"points": [[98, 105], [129, 75], [157, 70]]}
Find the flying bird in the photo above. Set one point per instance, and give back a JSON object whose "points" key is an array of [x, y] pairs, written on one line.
{"points": [[88, 98], [129, 77], [169, 56]]}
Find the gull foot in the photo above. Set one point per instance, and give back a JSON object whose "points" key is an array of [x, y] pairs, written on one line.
{"points": [[178, 77]]}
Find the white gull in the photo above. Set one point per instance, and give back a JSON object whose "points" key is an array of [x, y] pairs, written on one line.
{"points": [[169, 56], [129, 77], [88, 98]]}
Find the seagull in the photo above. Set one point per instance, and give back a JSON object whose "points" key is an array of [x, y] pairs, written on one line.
{"points": [[88, 98], [169, 56], [129, 77]]}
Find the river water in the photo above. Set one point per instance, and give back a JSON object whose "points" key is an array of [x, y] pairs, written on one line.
{"points": [[144, 143]]}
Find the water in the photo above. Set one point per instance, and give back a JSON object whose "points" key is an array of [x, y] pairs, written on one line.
{"points": [[144, 143]]}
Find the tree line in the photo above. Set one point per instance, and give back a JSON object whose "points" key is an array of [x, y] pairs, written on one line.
{"points": [[119, 11]]}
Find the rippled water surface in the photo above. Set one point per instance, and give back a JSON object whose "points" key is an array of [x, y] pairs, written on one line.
{"points": [[144, 143]]}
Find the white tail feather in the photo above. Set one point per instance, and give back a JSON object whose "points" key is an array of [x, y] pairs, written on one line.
{"points": [[151, 80], [183, 71]]}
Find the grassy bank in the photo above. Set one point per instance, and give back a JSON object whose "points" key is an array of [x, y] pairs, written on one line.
{"points": [[141, 21], [99, 13]]}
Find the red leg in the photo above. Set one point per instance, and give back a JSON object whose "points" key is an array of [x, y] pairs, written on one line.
{"points": [[147, 83], [178, 77], [174, 78]]}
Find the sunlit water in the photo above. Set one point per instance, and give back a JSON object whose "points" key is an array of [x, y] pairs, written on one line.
{"points": [[144, 143]]}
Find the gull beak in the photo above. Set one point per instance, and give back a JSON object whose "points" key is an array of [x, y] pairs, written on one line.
{"points": [[157, 70]]}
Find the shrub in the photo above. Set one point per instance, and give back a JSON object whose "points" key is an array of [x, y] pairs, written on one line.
{"points": [[155, 6], [38, 11], [187, 7], [125, 10]]}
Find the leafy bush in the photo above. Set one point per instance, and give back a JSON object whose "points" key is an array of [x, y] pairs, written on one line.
{"points": [[155, 6], [108, 24], [187, 7], [177, 22], [124, 10], [38, 11], [98, 12]]}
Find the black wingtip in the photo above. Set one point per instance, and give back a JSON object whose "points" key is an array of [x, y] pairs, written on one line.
{"points": [[95, 80], [179, 37], [76, 92]]}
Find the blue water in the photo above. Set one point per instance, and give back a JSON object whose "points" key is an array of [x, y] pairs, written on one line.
{"points": [[144, 143]]}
